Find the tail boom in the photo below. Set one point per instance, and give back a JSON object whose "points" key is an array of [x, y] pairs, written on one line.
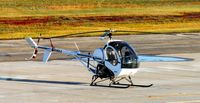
{"points": [[47, 50]]}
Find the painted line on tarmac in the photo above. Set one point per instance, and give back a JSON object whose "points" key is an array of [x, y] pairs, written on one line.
{"points": [[193, 101]]}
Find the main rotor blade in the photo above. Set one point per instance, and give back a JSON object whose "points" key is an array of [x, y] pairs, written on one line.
{"points": [[66, 35], [141, 32], [99, 31]]}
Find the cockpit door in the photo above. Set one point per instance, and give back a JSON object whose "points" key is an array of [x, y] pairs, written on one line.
{"points": [[112, 60]]}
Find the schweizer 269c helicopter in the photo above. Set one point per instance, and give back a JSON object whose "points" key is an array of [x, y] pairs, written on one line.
{"points": [[116, 61]]}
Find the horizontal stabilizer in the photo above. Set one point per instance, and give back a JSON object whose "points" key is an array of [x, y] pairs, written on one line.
{"points": [[31, 42], [47, 54]]}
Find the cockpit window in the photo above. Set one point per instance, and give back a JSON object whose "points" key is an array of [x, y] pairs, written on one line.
{"points": [[111, 56], [127, 55]]}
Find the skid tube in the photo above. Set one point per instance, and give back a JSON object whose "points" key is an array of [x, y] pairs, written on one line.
{"points": [[115, 83]]}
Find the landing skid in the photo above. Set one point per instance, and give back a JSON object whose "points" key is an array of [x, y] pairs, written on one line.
{"points": [[112, 86], [115, 83], [143, 85]]}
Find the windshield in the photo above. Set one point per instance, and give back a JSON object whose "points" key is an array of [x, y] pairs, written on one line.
{"points": [[127, 54], [111, 55]]}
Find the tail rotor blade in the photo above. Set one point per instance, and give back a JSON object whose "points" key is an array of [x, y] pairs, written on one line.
{"points": [[31, 42], [34, 45], [34, 55]]}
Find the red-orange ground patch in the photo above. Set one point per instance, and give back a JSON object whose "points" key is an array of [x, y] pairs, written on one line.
{"points": [[26, 20], [77, 21]]}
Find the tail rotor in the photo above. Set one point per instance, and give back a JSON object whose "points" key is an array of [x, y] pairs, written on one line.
{"points": [[34, 45], [47, 50]]}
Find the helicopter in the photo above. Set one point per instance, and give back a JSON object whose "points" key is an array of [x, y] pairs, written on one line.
{"points": [[114, 62]]}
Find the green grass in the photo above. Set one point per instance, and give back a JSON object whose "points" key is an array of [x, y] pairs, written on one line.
{"points": [[14, 8], [157, 16]]}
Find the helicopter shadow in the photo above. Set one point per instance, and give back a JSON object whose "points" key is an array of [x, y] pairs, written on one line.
{"points": [[40, 81]]}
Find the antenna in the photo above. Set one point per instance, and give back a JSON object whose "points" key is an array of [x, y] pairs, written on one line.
{"points": [[76, 46]]}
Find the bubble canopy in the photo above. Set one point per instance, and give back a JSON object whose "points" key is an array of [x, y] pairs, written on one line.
{"points": [[126, 53]]}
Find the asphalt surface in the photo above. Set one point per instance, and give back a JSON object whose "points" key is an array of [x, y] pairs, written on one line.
{"points": [[64, 81]]}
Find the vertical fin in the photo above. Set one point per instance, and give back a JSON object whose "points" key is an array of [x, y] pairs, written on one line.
{"points": [[47, 54]]}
